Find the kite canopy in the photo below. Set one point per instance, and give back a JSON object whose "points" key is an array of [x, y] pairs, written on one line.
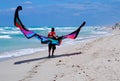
{"points": [[29, 34]]}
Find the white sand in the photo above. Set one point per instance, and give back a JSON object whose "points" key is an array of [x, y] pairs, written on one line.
{"points": [[96, 60]]}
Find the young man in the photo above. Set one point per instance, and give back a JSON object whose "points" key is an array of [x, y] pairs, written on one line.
{"points": [[52, 47]]}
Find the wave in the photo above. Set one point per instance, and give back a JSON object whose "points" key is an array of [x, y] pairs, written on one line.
{"points": [[65, 27], [1, 29], [99, 32], [5, 36], [57, 28], [48, 28], [10, 32], [21, 52], [37, 28]]}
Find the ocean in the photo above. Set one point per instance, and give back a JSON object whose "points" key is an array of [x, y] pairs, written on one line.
{"points": [[13, 43]]}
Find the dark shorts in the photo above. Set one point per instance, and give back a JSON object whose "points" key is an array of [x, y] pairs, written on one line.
{"points": [[52, 46]]}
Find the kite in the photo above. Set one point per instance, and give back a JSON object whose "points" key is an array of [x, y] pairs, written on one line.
{"points": [[44, 39]]}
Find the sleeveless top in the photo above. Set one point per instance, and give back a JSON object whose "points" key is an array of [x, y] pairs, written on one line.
{"points": [[51, 34]]}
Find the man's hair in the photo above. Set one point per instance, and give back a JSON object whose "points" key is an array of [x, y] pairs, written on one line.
{"points": [[52, 29]]}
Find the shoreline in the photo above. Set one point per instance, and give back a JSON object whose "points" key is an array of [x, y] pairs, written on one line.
{"points": [[18, 53], [13, 48], [78, 41]]}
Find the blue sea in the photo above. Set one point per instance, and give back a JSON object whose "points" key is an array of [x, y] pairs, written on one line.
{"points": [[13, 43]]}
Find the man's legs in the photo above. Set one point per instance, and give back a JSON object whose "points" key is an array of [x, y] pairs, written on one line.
{"points": [[49, 49], [53, 52], [53, 49]]}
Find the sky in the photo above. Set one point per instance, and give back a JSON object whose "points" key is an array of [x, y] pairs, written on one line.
{"points": [[61, 12]]}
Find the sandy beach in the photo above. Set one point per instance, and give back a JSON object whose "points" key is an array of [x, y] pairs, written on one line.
{"points": [[94, 60]]}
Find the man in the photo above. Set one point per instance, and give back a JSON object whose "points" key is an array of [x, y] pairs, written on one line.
{"points": [[52, 47]]}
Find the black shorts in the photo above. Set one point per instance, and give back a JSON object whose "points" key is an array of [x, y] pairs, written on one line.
{"points": [[52, 46]]}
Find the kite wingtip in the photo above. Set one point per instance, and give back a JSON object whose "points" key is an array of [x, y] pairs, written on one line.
{"points": [[19, 7]]}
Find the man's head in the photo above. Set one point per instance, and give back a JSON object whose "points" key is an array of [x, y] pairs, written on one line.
{"points": [[52, 29]]}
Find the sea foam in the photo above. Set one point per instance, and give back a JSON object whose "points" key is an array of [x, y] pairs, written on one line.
{"points": [[5, 37]]}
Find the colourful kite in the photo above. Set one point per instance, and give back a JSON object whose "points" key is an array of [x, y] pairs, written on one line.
{"points": [[44, 40]]}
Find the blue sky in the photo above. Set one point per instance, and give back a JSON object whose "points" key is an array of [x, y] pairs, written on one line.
{"points": [[61, 12]]}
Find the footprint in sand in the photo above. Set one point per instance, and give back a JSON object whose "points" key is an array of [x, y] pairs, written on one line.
{"points": [[58, 76], [33, 71]]}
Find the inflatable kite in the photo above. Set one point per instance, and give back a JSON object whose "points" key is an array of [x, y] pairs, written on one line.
{"points": [[44, 40]]}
